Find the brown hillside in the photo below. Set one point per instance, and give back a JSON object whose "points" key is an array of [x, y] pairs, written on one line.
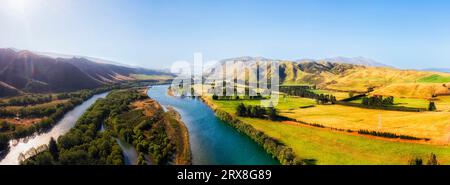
{"points": [[27, 72]]}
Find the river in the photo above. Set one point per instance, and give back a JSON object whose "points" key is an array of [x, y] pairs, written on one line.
{"points": [[62, 127], [212, 141], [129, 152]]}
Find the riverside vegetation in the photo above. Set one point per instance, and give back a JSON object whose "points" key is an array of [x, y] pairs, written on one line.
{"points": [[44, 116], [23, 116], [129, 115]]}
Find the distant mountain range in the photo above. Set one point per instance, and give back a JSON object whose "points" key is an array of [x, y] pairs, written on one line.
{"points": [[332, 65], [444, 70], [97, 60], [290, 71], [362, 61], [29, 72], [356, 61]]}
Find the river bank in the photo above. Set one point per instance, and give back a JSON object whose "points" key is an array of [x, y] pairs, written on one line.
{"points": [[179, 133], [174, 127]]}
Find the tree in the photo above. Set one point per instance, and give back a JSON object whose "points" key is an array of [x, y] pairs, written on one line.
{"points": [[4, 142], [389, 100], [254, 111], [44, 158], [432, 160], [141, 160], [215, 97], [333, 100], [53, 148], [351, 94], [432, 106], [193, 92], [241, 110], [416, 161], [5, 126], [272, 113], [378, 101]]}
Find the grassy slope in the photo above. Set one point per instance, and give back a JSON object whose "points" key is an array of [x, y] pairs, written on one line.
{"points": [[405, 102], [23, 123], [286, 103], [329, 147], [389, 81], [443, 103], [338, 95], [376, 76], [413, 90], [435, 79], [433, 125], [392, 82], [41, 106], [150, 77]]}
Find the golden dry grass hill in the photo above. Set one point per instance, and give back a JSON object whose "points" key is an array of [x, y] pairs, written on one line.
{"points": [[387, 81]]}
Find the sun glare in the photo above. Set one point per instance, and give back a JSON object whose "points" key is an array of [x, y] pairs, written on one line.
{"points": [[18, 5]]}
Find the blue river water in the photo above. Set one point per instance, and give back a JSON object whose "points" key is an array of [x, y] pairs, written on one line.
{"points": [[212, 141]]}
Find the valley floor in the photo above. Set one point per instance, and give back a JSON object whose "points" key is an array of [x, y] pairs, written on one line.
{"points": [[432, 125], [329, 146], [334, 147]]}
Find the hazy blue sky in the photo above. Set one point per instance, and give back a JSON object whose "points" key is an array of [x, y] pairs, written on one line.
{"points": [[154, 34]]}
